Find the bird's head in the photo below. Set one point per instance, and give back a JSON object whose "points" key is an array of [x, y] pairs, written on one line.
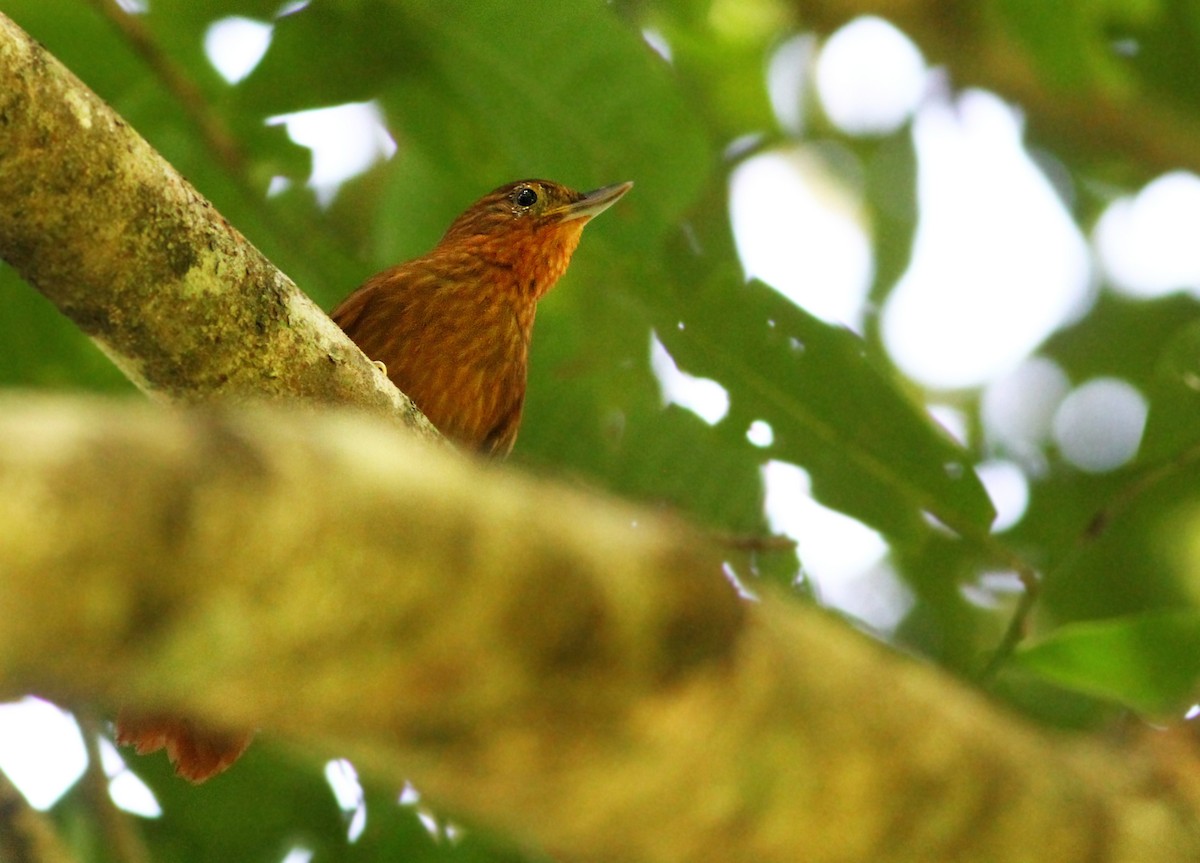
{"points": [[528, 204], [531, 226]]}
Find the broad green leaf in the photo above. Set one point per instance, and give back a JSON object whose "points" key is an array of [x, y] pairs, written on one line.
{"points": [[329, 53], [722, 53], [1149, 662], [869, 450], [476, 99], [1173, 424], [42, 348], [890, 195], [1167, 35], [595, 408], [1067, 42], [254, 812]]}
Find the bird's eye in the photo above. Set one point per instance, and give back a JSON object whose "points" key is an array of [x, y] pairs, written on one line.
{"points": [[526, 197]]}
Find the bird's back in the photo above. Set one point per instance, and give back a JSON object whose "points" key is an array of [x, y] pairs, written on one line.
{"points": [[454, 344]]}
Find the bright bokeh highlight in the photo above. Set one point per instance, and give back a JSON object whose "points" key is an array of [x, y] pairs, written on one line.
{"points": [[1008, 487], [872, 96], [997, 263], [236, 45], [41, 750], [125, 788], [1146, 243], [801, 232], [1098, 427], [345, 141], [348, 791], [843, 557], [1018, 408], [704, 397], [760, 433], [953, 420], [787, 81]]}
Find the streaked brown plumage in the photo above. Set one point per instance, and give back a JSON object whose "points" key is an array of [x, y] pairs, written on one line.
{"points": [[197, 753], [453, 329]]}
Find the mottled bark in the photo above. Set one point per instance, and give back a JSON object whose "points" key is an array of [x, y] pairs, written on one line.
{"points": [[183, 304]]}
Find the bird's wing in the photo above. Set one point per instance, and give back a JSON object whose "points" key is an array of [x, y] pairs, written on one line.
{"points": [[500, 438]]}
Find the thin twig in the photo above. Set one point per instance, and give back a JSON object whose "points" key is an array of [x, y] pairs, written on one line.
{"points": [[1135, 488], [120, 837], [1118, 504], [1018, 624], [1014, 633], [215, 133], [757, 542]]}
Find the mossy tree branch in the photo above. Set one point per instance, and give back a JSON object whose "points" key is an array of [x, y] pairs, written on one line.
{"points": [[184, 305]]}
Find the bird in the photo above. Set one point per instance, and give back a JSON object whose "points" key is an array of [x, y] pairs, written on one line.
{"points": [[452, 331], [452, 328]]}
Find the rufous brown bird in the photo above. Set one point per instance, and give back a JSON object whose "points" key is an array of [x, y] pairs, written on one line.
{"points": [[452, 329]]}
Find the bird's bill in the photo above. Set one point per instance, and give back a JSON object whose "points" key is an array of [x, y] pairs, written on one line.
{"points": [[595, 202]]}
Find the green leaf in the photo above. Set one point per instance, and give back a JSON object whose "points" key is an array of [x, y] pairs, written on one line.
{"points": [[492, 93], [42, 348], [1174, 420], [594, 406], [254, 812], [871, 452], [1067, 42], [1149, 662], [305, 68]]}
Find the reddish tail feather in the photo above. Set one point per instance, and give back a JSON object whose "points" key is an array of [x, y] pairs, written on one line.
{"points": [[197, 753]]}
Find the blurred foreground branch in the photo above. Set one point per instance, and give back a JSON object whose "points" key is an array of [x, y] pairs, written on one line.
{"points": [[558, 665]]}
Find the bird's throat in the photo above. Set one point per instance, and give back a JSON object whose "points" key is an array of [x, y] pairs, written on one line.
{"points": [[541, 256]]}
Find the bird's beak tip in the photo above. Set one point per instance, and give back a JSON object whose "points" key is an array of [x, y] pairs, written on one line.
{"points": [[596, 201]]}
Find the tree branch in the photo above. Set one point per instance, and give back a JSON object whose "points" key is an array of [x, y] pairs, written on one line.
{"points": [[184, 305], [115, 828], [568, 668]]}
